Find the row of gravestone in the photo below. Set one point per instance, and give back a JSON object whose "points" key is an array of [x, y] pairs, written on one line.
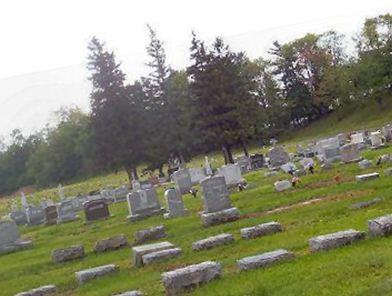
{"points": [[185, 278]]}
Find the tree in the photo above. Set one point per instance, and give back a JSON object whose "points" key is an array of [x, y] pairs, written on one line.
{"points": [[113, 118], [223, 95]]}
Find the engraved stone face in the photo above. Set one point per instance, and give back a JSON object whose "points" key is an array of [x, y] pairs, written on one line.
{"points": [[215, 194]]}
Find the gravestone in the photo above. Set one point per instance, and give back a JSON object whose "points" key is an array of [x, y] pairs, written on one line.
{"points": [[261, 230], [264, 260], [10, 239], [377, 139], [328, 150], [357, 138], [136, 185], [182, 180], [288, 167], [306, 162], [217, 205], [364, 164], [196, 174], [78, 202], [175, 204], [40, 291], [19, 217], [350, 153], [256, 161], [96, 210], [68, 254], [387, 133], [111, 243], [150, 234], [213, 241], [161, 255], [335, 240], [120, 193], [23, 201], [35, 215], [207, 166], [277, 157], [282, 185], [381, 226], [66, 211], [232, 174], [95, 272], [244, 162], [143, 204], [367, 177], [51, 215], [139, 251]]}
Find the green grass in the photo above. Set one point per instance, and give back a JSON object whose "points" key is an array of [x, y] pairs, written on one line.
{"points": [[360, 269]]}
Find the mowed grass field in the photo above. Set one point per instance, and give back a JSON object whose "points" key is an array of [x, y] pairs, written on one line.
{"points": [[364, 268]]}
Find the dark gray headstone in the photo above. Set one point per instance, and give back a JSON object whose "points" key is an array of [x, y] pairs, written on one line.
{"points": [[215, 194], [96, 210]]}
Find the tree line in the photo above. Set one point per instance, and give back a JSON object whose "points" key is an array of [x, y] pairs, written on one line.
{"points": [[223, 99]]}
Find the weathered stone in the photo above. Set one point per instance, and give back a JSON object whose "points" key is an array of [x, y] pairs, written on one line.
{"points": [[261, 230], [175, 204], [231, 173], [282, 185], [365, 204], [143, 204], [328, 150], [213, 241], [150, 234], [41, 291], [160, 255], [264, 260], [182, 180], [350, 153], [228, 215], [381, 226], [92, 273], [35, 215], [183, 279], [364, 164], [66, 211], [68, 254], [215, 194], [110, 244], [367, 177], [196, 174], [288, 167], [130, 293], [277, 157], [51, 215], [377, 139], [244, 162], [139, 251], [335, 240], [270, 173], [96, 210], [10, 240], [19, 217]]}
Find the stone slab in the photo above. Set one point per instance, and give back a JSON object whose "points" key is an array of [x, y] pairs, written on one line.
{"points": [[150, 234], [95, 272], [261, 230], [180, 280], [228, 215], [367, 177], [139, 251], [131, 293], [335, 240], [264, 260], [213, 241], [68, 254], [41, 291], [282, 185], [365, 204], [111, 243], [160, 255], [381, 226]]}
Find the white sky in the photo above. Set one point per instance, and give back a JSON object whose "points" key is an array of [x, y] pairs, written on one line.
{"points": [[38, 35]]}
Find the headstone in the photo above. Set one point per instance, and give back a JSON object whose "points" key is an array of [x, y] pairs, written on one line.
{"points": [[264, 260], [130, 293], [341, 139], [19, 216], [175, 204], [41, 291], [387, 132], [217, 205], [358, 138], [143, 204], [92, 273], [35, 215], [78, 201], [261, 230], [282, 185], [180, 280], [244, 162], [256, 161], [350, 153], [68, 254], [51, 215], [277, 157], [139, 251], [365, 204], [66, 211], [364, 164], [335, 240], [10, 239], [182, 180], [150, 234], [196, 174], [96, 210], [136, 185], [23, 200], [381, 226], [213, 241], [207, 166], [328, 150], [367, 177], [270, 173], [288, 167], [306, 162], [161, 255], [111, 244], [120, 193], [231, 173], [377, 139]]}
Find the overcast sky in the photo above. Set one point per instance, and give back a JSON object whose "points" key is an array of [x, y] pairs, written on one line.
{"points": [[42, 35]]}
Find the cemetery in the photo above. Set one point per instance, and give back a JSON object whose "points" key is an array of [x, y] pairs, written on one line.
{"points": [[162, 240]]}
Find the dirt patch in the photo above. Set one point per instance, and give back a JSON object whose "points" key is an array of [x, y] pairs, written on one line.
{"points": [[327, 183], [333, 197]]}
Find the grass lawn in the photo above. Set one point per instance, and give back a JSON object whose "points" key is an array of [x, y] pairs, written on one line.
{"points": [[361, 269]]}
